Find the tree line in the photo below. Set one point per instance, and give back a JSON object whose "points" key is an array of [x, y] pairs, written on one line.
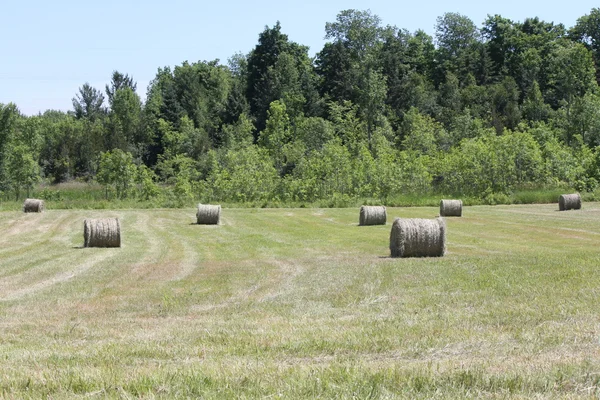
{"points": [[378, 111]]}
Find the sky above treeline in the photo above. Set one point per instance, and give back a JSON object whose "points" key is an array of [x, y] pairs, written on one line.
{"points": [[51, 48]]}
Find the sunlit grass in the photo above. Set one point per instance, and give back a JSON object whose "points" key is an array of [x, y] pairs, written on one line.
{"points": [[300, 303]]}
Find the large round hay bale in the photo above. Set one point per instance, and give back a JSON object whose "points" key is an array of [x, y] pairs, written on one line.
{"points": [[569, 202], [417, 237], [372, 215], [33, 205], [208, 214], [451, 208], [102, 232]]}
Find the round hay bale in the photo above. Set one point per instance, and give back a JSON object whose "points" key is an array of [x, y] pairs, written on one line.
{"points": [[33, 205], [102, 232], [417, 237], [372, 215], [569, 202], [208, 214], [451, 208]]}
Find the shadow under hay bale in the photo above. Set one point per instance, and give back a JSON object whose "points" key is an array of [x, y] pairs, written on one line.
{"points": [[33, 205], [569, 202], [102, 232], [372, 215], [417, 237], [451, 208], [208, 214]]}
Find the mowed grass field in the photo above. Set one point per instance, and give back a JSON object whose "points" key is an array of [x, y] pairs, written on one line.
{"points": [[300, 303]]}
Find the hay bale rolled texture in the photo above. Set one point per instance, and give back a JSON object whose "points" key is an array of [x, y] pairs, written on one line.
{"points": [[33, 205], [208, 214], [416, 237], [451, 208], [569, 202], [102, 232], [372, 215]]}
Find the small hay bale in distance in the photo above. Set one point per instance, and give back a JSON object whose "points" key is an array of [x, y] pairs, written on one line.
{"points": [[33, 205], [417, 237], [569, 202], [102, 232], [208, 214], [372, 215], [451, 208]]}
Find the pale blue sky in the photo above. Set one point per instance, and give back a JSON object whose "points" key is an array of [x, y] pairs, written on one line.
{"points": [[50, 48]]}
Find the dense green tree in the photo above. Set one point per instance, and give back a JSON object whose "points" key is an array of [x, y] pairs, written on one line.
{"points": [[456, 38], [534, 108], [587, 31], [571, 74], [88, 103], [125, 122], [23, 169], [119, 81], [278, 69], [116, 170]]}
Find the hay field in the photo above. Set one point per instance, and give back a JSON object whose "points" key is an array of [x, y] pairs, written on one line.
{"points": [[300, 303]]}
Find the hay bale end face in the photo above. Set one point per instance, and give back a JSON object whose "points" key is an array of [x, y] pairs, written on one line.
{"points": [[451, 208], [417, 237], [372, 215], [569, 202], [208, 214], [33, 205], [102, 232]]}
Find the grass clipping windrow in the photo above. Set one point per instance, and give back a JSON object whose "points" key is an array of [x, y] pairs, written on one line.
{"points": [[372, 215], [102, 232], [208, 214], [417, 237], [451, 208], [569, 202], [33, 205]]}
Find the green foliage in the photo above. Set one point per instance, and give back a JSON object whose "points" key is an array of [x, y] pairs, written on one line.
{"points": [[116, 171], [146, 182], [277, 133], [380, 113], [23, 169], [490, 164], [242, 175], [423, 134], [88, 103]]}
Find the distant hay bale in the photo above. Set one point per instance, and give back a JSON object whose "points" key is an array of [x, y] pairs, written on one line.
{"points": [[451, 208], [102, 232], [208, 214], [416, 237], [569, 202], [372, 215], [33, 205]]}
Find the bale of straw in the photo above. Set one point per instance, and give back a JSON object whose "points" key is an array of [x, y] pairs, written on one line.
{"points": [[102, 232], [33, 205], [416, 237], [372, 215], [208, 214], [569, 202], [451, 208]]}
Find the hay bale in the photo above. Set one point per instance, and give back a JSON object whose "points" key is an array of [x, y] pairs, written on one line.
{"points": [[416, 237], [372, 215], [451, 208], [33, 205], [102, 232], [569, 202], [208, 214]]}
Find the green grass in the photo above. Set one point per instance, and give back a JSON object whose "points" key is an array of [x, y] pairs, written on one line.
{"points": [[300, 303], [76, 195]]}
